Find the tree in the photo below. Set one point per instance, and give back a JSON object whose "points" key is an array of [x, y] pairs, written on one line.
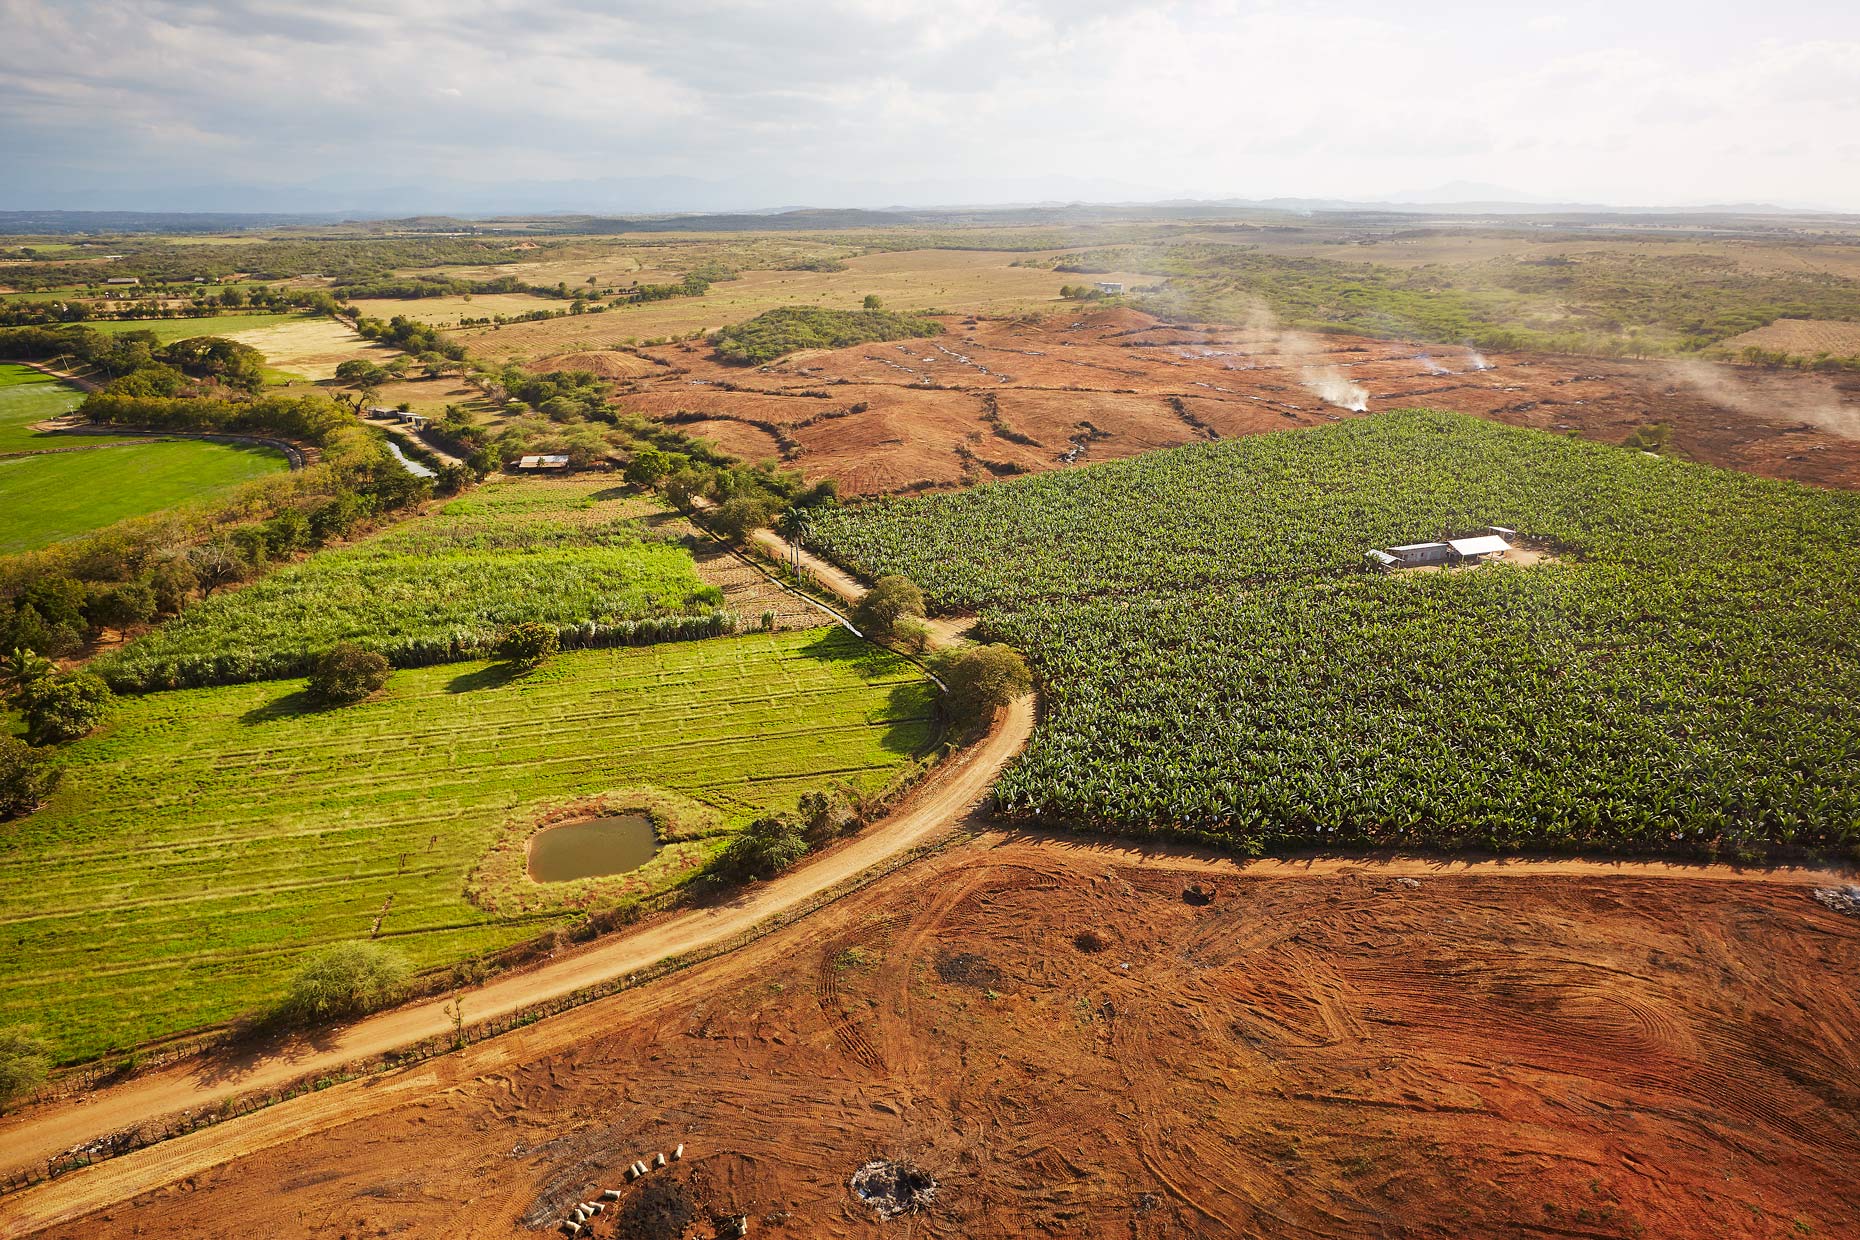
{"points": [[736, 519], [889, 600], [528, 643], [22, 671], [872, 302], [218, 563], [347, 673], [26, 777], [360, 372], [118, 607], [343, 981], [24, 1061], [64, 708], [647, 466], [765, 848], [822, 815], [981, 679]]}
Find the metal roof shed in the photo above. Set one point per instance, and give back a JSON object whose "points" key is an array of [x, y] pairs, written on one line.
{"points": [[1486, 544]]}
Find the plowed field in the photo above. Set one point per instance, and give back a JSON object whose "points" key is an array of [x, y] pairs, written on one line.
{"points": [[993, 397], [1081, 1040]]}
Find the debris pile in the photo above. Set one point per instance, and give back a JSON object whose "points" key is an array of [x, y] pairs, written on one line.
{"points": [[1840, 899], [893, 1188]]}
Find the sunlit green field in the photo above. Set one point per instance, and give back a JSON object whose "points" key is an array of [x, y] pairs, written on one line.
{"points": [[168, 330], [28, 396], [204, 838], [49, 497]]}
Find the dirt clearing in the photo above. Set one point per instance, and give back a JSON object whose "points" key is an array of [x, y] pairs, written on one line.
{"points": [[1060, 1041], [311, 347], [994, 397]]}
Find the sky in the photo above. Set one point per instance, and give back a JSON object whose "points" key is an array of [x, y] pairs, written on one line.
{"points": [[484, 105]]}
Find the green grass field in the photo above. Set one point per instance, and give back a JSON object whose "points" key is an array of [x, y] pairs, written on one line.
{"points": [[563, 552], [204, 838], [28, 396], [170, 330], [53, 496]]}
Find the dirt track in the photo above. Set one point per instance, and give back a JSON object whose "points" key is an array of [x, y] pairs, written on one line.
{"points": [[995, 397], [1328, 1049]]}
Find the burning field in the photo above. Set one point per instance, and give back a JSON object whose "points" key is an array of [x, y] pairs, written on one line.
{"points": [[1023, 1037], [993, 397]]}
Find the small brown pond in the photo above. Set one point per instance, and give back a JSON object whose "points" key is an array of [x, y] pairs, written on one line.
{"points": [[591, 849]]}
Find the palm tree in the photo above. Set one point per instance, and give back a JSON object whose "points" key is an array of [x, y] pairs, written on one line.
{"points": [[22, 670]]}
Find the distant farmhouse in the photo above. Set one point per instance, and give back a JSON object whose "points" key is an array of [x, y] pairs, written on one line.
{"points": [[1474, 550], [1110, 287], [544, 463]]}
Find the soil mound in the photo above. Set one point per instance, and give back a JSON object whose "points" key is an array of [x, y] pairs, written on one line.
{"points": [[893, 1188]]}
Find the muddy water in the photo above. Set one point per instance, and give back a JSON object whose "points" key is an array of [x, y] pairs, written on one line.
{"points": [[590, 849]]}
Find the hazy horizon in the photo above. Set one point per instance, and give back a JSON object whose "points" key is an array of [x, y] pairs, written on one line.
{"points": [[484, 106]]}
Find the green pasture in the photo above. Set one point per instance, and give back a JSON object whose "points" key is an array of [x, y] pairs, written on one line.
{"points": [[51, 496], [205, 838], [170, 330]]}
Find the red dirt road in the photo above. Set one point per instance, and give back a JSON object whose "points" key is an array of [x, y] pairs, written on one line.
{"points": [[1071, 1047]]}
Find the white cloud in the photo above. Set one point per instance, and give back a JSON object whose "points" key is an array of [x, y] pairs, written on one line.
{"points": [[1658, 102]]}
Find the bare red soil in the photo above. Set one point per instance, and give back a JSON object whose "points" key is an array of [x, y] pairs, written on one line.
{"points": [[993, 397], [1085, 1040]]}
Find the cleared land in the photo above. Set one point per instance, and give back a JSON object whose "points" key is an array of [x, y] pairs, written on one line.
{"points": [[993, 397], [308, 346], [57, 495], [1214, 661], [1802, 338], [380, 810], [447, 311], [1070, 1048], [570, 553]]}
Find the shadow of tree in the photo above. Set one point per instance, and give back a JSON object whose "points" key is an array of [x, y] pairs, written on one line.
{"points": [[495, 676], [287, 707]]}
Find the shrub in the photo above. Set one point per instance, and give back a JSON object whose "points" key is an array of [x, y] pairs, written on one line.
{"points": [[911, 634], [24, 1061], [738, 518], [64, 707], [981, 679], [765, 848], [347, 673], [26, 777], [528, 643], [890, 600], [344, 981]]}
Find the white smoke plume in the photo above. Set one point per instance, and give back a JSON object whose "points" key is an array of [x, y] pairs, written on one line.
{"points": [[1811, 399], [1475, 360], [1329, 383], [1431, 366]]}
